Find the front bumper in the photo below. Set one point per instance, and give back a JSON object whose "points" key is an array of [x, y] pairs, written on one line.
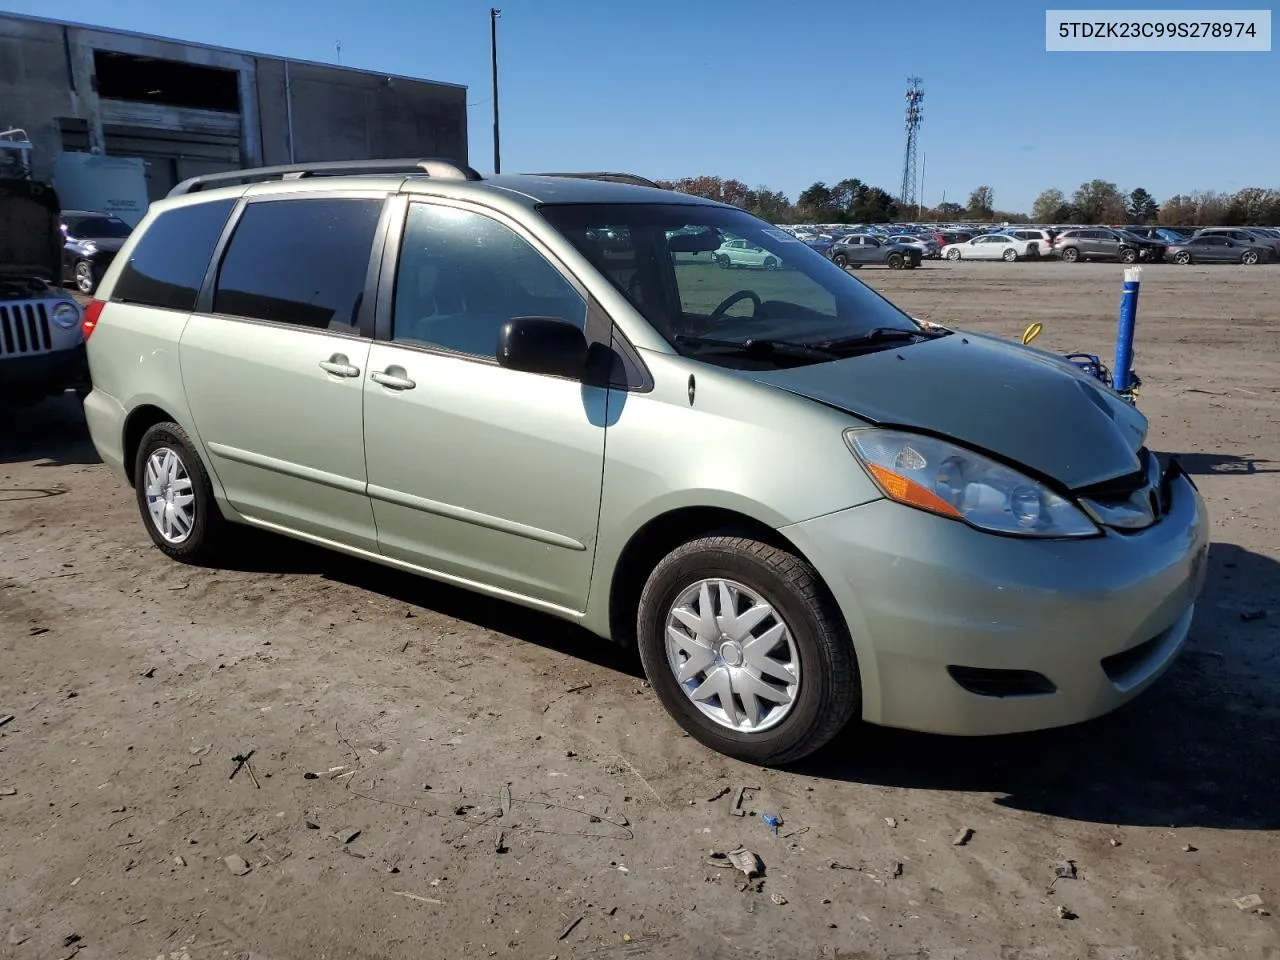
{"points": [[37, 375], [922, 594]]}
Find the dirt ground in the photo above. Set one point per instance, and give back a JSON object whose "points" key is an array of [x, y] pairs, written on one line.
{"points": [[489, 782]]}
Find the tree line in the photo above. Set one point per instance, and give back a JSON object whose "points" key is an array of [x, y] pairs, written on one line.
{"points": [[1097, 201]]}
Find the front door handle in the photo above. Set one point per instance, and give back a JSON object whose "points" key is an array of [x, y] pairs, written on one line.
{"points": [[339, 366], [394, 378]]}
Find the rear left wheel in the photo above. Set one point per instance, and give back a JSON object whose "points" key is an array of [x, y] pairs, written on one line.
{"points": [[1182, 257], [747, 650], [1249, 257], [175, 497], [770, 263], [894, 261], [1128, 255]]}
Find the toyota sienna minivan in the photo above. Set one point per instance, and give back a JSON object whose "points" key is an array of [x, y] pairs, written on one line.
{"points": [[801, 505]]}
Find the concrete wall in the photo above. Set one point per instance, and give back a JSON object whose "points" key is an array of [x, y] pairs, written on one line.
{"points": [[349, 115], [35, 85], [47, 75]]}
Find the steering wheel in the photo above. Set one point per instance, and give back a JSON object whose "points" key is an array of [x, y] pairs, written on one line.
{"points": [[719, 312]]}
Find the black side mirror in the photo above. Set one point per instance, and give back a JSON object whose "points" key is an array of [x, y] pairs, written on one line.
{"points": [[545, 345]]}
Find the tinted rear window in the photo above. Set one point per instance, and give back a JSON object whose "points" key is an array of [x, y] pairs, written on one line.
{"points": [[169, 261], [302, 262]]}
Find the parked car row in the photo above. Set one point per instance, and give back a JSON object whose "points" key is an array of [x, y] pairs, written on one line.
{"points": [[1137, 243]]}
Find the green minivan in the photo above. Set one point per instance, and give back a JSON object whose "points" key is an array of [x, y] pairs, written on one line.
{"points": [[801, 505]]}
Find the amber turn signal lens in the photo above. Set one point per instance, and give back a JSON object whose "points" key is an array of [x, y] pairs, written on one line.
{"points": [[911, 493]]}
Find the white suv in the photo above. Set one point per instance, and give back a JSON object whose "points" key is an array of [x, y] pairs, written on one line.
{"points": [[743, 253]]}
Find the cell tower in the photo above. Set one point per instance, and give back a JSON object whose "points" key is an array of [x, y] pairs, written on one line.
{"points": [[915, 113]]}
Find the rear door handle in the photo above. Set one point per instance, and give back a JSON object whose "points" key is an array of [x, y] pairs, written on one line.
{"points": [[339, 366], [394, 378]]}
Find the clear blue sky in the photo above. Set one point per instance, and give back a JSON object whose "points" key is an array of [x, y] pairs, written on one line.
{"points": [[784, 92]]}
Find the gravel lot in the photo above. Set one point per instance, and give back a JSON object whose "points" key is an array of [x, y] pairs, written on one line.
{"points": [[516, 788]]}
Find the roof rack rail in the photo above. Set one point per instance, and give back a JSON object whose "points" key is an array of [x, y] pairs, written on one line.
{"points": [[440, 169], [631, 178]]}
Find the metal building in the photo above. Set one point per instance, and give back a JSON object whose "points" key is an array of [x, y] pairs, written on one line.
{"points": [[189, 108]]}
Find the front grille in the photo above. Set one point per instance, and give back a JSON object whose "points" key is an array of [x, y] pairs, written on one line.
{"points": [[1132, 502], [24, 329]]}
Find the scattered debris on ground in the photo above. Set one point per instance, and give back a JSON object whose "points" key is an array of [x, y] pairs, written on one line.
{"points": [[237, 865], [963, 837], [569, 929]]}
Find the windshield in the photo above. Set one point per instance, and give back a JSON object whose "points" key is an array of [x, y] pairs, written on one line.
{"points": [[709, 278], [99, 228]]}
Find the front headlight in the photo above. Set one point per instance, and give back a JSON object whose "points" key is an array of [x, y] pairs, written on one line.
{"points": [[66, 315], [953, 482]]}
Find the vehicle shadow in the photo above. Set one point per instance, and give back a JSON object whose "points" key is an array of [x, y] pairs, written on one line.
{"points": [[52, 433], [267, 553], [1201, 464], [1200, 748]]}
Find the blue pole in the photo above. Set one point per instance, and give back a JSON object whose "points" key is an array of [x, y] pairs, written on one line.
{"points": [[1122, 373]]}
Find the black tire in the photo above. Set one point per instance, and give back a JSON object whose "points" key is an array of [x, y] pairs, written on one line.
{"points": [[953, 255], [770, 263], [1070, 254], [209, 534], [830, 691], [1009, 256], [1128, 255], [894, 261], [1249, 257], [840, 260], [1182, 257], [85, 276]]}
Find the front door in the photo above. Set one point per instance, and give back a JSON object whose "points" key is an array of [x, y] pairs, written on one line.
{"points": [[483, 475], [274, 368], [866, 250]]}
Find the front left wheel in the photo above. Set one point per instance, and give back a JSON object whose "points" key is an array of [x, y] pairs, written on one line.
{"points": [[1010, 255], [747, 650], [175, 497], [86, 276]]}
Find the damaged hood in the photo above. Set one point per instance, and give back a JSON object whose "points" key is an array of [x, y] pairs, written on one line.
{"points": [[1026, 406], [30, 231]]}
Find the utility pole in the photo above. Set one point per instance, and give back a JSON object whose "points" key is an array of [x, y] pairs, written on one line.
{"points": [[924, 160], [494, 14]]}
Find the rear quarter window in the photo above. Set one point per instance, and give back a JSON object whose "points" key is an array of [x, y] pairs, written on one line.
{"points": [[168, 262]]}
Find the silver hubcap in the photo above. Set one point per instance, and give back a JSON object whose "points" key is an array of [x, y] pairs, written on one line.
{"points": [[170, 497], [733, 655], [84, 276]]}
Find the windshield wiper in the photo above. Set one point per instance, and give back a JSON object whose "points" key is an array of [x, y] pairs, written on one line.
{"points": [[765, 348], [873, 337]]}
